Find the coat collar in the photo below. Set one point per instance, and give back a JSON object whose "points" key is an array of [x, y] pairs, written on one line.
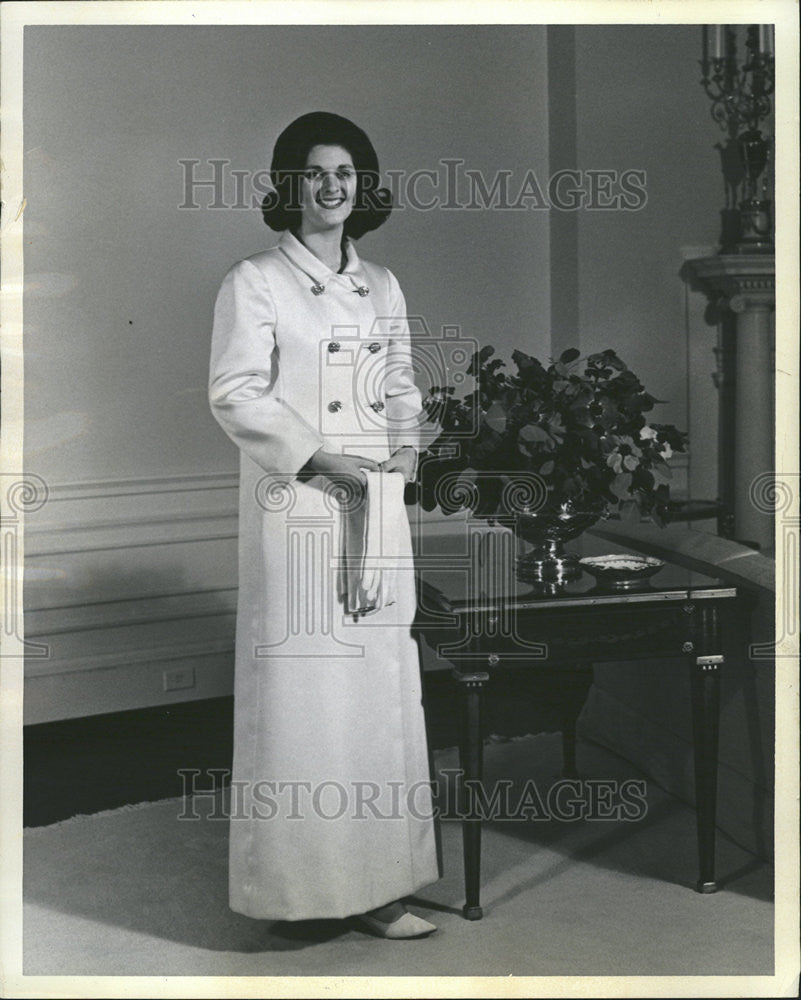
{"points": [[319, 272]]}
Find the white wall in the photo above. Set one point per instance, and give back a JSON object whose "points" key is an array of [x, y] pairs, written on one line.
{"points": [[640, 105], [122, 282], [133, 555]]}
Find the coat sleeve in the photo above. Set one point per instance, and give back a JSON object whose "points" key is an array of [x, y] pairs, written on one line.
{"points": [[403, 398], [242, 392]]}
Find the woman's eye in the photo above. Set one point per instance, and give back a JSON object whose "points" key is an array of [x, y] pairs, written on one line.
{"points": [[316, 173]]}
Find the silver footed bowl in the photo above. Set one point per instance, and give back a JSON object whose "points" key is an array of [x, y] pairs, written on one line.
{"points": [[621, 571], [547, 531], [542, 526]]}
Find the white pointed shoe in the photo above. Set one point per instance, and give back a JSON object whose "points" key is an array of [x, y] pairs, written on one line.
{"points": [[405, 927]]}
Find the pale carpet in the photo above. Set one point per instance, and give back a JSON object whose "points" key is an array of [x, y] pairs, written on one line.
{"points": [[135, 891]]}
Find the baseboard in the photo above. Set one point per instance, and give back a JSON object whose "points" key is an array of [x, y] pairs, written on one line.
{"points": [[138, 679]]}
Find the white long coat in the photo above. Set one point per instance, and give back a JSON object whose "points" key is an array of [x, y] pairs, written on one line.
{"points": [[331, 805]]}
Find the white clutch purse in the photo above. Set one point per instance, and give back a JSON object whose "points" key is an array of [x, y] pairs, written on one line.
{"points": [[374, 537]]}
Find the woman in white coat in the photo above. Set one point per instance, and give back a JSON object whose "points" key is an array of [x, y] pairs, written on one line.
{"points": [[311, 376]]}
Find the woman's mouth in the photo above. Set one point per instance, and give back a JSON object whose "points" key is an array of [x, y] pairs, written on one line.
{"points": [[330, 201]]}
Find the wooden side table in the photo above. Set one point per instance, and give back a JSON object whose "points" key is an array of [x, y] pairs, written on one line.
{"points": [[679, 615]]}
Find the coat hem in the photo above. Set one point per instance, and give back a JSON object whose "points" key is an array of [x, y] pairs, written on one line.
{"points": [[255, 914]]}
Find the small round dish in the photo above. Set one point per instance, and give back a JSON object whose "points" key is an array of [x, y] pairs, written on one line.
{"points": [[621, 571]]}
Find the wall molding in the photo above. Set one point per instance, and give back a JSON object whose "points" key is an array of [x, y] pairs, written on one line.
{"points": [[143, 531], [102, 515], [149, 655], [90, 489], [137, 610], [126, 579], [96, 515]]}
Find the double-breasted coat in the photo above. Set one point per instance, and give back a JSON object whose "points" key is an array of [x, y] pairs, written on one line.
{"points": [[330, 794]]}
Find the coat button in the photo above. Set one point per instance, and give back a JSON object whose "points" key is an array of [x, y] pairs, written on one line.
{"points": [[334, 406], [363, 290], [377, 406], [333, 347], [317, 288], [374, 347]]}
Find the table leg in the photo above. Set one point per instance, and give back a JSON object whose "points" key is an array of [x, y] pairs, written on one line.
{"points": [[569, 748], [706, 720], [573, 697], [471, 765]]}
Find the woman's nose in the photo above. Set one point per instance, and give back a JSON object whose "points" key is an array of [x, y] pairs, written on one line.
{"points": [[329, 181]]}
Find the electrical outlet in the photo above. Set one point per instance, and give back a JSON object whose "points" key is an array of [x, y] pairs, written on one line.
{"points": [[180, 677]]}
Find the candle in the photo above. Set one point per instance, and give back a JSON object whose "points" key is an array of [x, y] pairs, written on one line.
{"points": [[766, 39], [718, 41]]}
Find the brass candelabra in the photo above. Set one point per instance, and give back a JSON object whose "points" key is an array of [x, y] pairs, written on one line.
{"points": [[740, 85]]}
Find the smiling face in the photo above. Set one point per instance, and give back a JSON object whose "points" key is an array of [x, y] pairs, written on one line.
{"points": [[328, 188]]}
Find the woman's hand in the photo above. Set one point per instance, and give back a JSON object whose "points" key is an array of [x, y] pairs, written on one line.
{"points": [[338, 468], [404, 460]]}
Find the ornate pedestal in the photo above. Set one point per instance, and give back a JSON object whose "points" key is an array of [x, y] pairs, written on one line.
{"points": [[741, 290]]}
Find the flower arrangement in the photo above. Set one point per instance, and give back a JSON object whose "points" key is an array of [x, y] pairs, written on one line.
{"points": [[577, 428]]}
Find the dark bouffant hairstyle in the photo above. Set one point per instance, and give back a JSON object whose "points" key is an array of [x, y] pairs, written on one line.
{"points": [[281, 207]]}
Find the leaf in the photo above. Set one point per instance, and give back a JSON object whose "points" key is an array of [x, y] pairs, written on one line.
{"points": [[534, 433], [620, 487], [489, 491], [496, 417], [589, 439], [658, 517], [642, 479], [614, 361], [478, 358], [547, 468], [629, 511], [582, 397], [660, 467], [570, 355]]}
